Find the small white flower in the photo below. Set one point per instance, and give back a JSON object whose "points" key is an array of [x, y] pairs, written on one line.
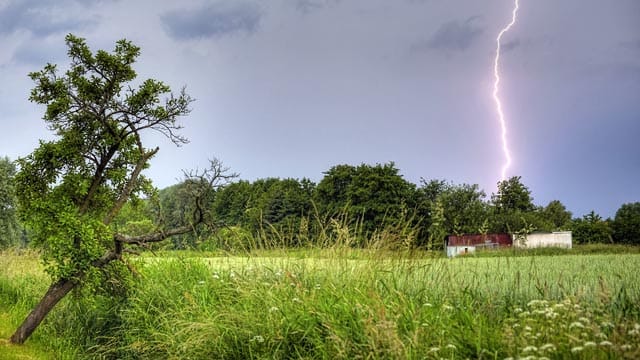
{"points": [[257, 338], [576, 349], [589, 344], [296, 300], [273, 309], [451, 346], [576, 324], [201, 282], [607, 324], [427, 305], [634, 332], [584, 320], [447, 307], [529, 348], [625, 347], [434, 349], [216, 276], [605, 343], [548, 347]]}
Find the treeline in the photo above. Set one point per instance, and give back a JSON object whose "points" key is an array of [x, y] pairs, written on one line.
{"points": [[371, 206], [358, 206]]}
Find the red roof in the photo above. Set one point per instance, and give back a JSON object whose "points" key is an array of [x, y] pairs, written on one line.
{"points": [[479, 239]]}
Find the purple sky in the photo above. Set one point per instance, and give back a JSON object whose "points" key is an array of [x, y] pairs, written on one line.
{"points": [[289, 88]]}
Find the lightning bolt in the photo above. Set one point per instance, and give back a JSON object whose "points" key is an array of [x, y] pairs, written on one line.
{"points": [[496, 75]]}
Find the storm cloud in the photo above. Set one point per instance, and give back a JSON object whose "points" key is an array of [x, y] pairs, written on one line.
{"points": [[219, 19], [455, 35], [40, 18]]}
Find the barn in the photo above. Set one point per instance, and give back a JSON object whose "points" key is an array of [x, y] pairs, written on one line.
{"points": [[464, 244]]}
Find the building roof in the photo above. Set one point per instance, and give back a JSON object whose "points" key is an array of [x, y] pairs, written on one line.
{"points": [[501, 239]]}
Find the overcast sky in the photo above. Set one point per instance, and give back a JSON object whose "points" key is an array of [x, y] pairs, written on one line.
{"points": [[289, 88]]}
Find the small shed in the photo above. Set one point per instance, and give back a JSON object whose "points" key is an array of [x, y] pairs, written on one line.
{"points": [[560, 239], [468, 243]]}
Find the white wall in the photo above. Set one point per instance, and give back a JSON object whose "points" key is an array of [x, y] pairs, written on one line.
{"points": [[460, 250], [558, 239]]}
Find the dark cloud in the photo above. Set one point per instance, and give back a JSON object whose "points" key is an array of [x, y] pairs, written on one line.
{"points": [[508, 46], [221, 18], [307, 6], [37, 17], [455, 35]]}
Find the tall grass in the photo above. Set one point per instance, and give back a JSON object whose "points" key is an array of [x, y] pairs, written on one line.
{"points": [[366, 306]]}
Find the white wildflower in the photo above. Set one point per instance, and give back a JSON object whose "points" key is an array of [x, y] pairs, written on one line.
{"points": [[257, 338], [634, 332], [201, 282], [296, 300], [434, 349], [427, 305], [529, 348], [451, 346], [576, 324], [589, 344], [625, 347], [273, 309], [605, 343], [584, 320], [551, 315], [548, 347], [607, 324], [576, 349], [216, 276]]}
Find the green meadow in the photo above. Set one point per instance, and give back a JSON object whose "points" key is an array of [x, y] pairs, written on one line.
{"points": [[337, 304]]}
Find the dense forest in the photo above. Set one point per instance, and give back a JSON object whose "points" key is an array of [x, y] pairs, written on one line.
{"points": [[371, 203]]}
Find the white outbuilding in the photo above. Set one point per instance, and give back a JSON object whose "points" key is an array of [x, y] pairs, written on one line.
{"points": [[561, 239]]}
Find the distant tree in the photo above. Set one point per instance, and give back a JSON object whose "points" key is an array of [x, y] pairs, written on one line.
{"points": [[376, 195], [512, 195], [591, 228], [71, 189], [557, 214], [10, 229], [174, 205], [464, 208], [626, 224]]}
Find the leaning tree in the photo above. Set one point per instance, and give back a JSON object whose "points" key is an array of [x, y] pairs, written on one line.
{"points": [[71, 189]]}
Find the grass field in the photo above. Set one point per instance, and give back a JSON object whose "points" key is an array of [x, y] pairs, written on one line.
{"points": [[341, 305]]}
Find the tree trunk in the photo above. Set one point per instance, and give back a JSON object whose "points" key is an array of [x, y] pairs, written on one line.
{"points": [[54, 294]]}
